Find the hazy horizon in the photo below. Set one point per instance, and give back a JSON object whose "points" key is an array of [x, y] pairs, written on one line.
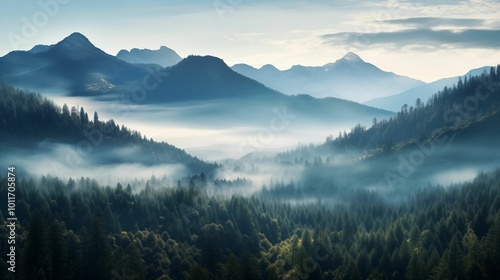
{"points": [[283, 34]]}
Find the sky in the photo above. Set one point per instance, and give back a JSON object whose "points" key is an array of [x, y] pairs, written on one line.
{"points": [[423, 39]]}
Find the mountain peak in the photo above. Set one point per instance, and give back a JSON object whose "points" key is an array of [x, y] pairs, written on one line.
{"points": [[203, 64], [199, 60], [75, 44], [78, 39], [350, 56], [269, 67]]}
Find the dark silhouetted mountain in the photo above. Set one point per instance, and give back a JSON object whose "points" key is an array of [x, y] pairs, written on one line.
{"points": [[348, 78], [73, 64], [205, 78], [423, 92], [164, 57], [208, 78]]}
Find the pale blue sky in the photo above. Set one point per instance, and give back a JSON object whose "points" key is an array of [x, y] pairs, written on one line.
{"points": [[423, 39]]}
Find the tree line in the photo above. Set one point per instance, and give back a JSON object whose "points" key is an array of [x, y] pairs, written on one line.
{"points": [[28, 118]]}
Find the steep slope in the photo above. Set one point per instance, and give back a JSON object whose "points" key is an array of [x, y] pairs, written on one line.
{"points": [[446, 141], [447, 108], [423, 92], [164, 56], [74, 64], [349, 78], [202, 78], [34, 126]]}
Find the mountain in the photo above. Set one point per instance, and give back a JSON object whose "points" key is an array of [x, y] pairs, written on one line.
{"points": [[445, 141], [424, 92], [209, 79], [199, 91], [40, 48], [204, 77], [448, 108], [349, 78], [73, 64], [164, 56]]}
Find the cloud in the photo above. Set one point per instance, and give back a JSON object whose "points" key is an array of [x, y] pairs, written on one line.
{"points": [[428, 22], [420, 38]]}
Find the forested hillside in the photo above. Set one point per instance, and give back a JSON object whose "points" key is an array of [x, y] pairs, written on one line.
{"points": [[80, 230], [465, 101], [28, 119]]}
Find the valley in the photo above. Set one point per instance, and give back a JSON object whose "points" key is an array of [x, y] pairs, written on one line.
{"points": [[150, 165]]}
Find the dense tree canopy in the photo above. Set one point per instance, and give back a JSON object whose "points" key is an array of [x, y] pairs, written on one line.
{"points": [[80, 230]]}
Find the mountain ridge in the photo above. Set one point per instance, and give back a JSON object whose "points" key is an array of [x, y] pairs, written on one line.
{"points": [[423, 92], [73, 64], [338, 79], [164, 56], [220, 94]]}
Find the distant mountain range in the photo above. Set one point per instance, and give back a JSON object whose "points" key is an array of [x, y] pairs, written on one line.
{"points": [[76, 65], [164, 57], [423, 92], [348, 78], [237, 97], [205, 93]]}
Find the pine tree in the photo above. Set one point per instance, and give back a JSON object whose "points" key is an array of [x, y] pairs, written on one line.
{"points": [[232, 270], [96, 119], [36, 261], [58, 250], [415, 268], [132, 262]]}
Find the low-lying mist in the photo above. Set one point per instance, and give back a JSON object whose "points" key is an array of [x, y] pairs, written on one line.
{"points": [[215, 130], [392, 175], [334, 178], [107, 166], [245, 141]]}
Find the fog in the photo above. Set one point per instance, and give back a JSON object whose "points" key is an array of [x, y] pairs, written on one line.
{"points": [[261, 170], [456, 176], [245, 140], [338, 176], [214, 130], [63, 161]]}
